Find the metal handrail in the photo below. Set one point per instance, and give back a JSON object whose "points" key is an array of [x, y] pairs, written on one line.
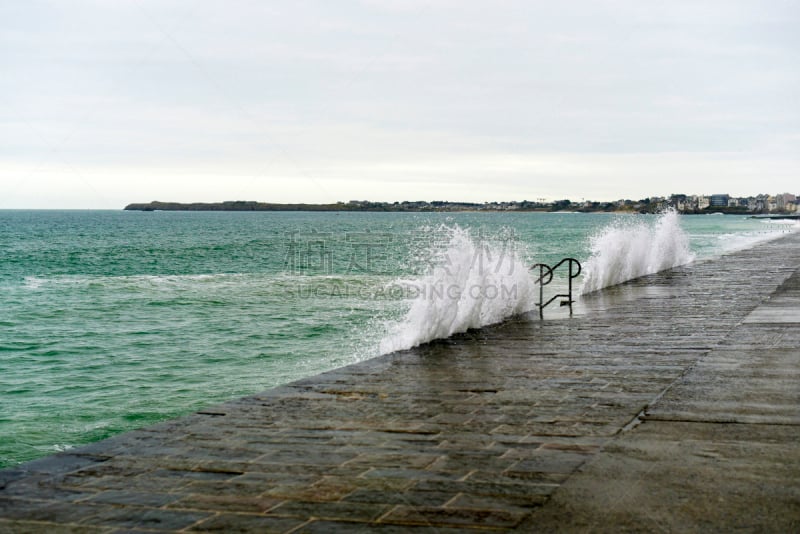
{"points": [[549, 278]]}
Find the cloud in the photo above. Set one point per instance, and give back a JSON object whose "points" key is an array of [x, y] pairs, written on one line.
{"points": [[373, 95]]}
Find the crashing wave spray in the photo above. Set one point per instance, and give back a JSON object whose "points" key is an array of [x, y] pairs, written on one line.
{"points": [[472, 283], [625, 250]]}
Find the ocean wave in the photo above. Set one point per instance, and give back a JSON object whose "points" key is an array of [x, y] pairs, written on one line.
{"points": [[473, 283], [752, 235], [740, 241], [783, 222], [632, 247]]}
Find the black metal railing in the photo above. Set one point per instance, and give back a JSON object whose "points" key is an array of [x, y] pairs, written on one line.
{"points": [[546, 276]]}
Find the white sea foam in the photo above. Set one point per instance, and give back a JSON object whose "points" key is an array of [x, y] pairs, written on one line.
{"points": [[783, 222], [138, 281], [741, 241], [633, 247], [715, 244], [472, 283], [33, 282]]}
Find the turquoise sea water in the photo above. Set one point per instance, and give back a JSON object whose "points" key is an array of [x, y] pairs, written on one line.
{"points": [[111, 320]]}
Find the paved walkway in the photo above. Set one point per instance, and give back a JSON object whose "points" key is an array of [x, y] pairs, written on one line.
{"points": [[672, 404]]}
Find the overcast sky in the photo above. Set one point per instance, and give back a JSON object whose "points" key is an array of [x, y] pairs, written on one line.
{"points": [[110, 102]]}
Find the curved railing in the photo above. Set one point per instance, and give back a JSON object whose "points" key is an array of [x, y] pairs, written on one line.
{"points": [[546, 276]]}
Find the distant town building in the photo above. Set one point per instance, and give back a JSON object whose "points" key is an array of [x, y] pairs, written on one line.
{"points": [[772, 203], [783, 201], [719, 201], [680, 202]]}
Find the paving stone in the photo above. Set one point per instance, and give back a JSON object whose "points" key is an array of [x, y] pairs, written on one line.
{"points": [[550, 461], [345, 527], [315, 492], [133, 498], [347, 511], [225, 503], [381, 458], [45, 511], [246, 523], [35, 527], [138, 483], [153, 519], [408, 497], [46, 490], [433, 516], [268, 479], [521, 491], [196, 474], [203, 487], [414, 474], [485, 502], [62, 463]]}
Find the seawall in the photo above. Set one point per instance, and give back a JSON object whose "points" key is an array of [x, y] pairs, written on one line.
{"points": [[671, 402]]}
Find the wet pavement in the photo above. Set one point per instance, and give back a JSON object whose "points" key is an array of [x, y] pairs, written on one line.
{"points": [[670, 403]]}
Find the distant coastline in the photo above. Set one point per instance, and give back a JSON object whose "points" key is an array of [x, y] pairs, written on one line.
{"points": [[654, 205], [249, 205]]}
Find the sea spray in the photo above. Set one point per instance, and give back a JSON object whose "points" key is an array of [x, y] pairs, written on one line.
{"points": [[633, 247], [472, 282]]}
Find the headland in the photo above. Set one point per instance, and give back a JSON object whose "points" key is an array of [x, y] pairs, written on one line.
{"points": [[782, 205]]}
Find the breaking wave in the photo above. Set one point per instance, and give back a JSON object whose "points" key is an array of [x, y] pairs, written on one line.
{"points": [[471, 283], [633, 247]]}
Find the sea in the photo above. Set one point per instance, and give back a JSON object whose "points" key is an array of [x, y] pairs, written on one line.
{"points": [[113, 320]]}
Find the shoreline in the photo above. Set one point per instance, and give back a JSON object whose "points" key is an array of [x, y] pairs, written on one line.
{"points": [[425, 207]]}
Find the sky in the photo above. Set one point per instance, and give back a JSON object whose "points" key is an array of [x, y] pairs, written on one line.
{"points": [[110, 102]]}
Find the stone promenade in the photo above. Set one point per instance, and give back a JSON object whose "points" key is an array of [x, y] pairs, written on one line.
{"points": [[668, 404]]}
